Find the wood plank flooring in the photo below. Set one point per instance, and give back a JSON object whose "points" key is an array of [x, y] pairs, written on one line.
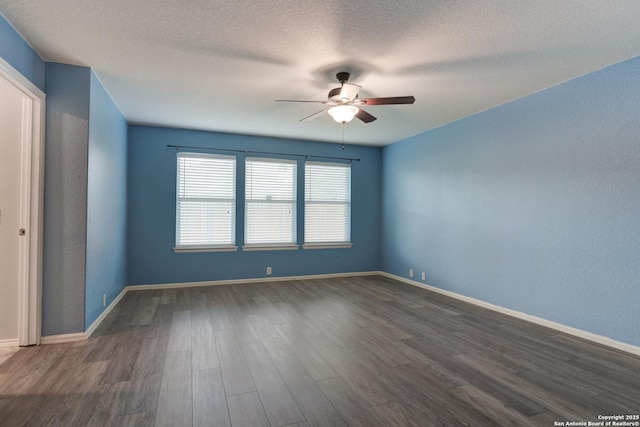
{"points": [[7, 352], [362, 351]]}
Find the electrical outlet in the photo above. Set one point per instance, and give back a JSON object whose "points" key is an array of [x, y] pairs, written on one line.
{"points": [[424, 276], [268, 271], [411, 272], [104, 300]]}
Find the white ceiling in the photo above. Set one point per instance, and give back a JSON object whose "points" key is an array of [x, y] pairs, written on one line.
{"points": [[219, 65]]}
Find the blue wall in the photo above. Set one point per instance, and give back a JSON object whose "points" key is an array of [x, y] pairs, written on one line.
{"points": [[17, 52], [534, 205], [65, 198], [106, 202], [151, 207]]}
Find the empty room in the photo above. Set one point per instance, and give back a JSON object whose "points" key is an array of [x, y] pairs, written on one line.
{"points": [[319, 213]]}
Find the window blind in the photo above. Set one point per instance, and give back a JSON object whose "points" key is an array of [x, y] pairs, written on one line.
{"points": [[205, 200], [270, 211], [327, 207]]}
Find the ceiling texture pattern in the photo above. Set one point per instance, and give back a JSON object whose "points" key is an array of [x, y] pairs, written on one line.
{"points": [[219, 65]]}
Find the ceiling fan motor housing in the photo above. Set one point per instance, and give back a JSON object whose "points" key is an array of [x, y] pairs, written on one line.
{"points": [[334, 95]]}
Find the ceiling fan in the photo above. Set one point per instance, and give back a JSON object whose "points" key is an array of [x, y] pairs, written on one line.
{"points": [[343, 103]]}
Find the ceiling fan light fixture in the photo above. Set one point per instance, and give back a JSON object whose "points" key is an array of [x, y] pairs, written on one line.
{"points": [[343, 113]]}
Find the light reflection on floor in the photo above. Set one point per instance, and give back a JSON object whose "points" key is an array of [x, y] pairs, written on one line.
{"points": [[7, 352]]}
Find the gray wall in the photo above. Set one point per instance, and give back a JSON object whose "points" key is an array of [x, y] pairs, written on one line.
{"points": [[65, 201]]}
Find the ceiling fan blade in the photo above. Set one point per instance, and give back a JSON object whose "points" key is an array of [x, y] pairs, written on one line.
{"points": [[349, 92], [389, 101], [364, 116], [297, 100], [312, 115]]}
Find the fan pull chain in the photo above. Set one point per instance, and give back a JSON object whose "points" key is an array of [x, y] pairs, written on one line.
{"points": [[343, 136]]}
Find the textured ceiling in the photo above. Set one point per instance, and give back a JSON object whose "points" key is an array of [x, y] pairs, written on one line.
{"points": [[219, 65]]}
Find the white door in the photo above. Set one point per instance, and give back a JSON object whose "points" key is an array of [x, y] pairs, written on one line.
{"points": [[11, 127], [21, 201]]}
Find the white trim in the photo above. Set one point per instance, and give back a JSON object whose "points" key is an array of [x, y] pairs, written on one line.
{"points": [[31, 205], [190, 249], [13, 342], [24, 244], [590, 336], [271, 247], [19, 80], [80, 336], [104, 313], [63, 338], [328, 245], [246, 281]]}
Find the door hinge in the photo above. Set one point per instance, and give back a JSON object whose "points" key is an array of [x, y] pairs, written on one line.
{"points": [[23, 232]]}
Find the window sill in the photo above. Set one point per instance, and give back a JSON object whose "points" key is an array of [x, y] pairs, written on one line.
{"points": [[328, 245], [272, 247], [191, 249]]}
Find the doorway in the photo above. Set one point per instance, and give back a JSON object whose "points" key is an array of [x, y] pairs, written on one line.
{"points": [[21, 185]]}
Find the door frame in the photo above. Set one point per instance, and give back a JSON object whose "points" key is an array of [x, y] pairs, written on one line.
{"points": [[31, 206]]}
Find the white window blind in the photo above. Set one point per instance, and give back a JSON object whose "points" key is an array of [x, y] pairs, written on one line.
{"points": [[327, 202], [270, 212], [205, 200]]}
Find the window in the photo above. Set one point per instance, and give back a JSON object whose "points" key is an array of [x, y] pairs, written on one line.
{"points": [[205, 202], [327, 205], [270, 212]]}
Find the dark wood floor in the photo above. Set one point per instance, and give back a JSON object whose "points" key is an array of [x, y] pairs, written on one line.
{"points": [[364, 351]]}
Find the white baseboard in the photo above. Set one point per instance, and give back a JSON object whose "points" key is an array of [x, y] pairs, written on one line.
{"points": [[79, 336], [245, 281], [13, 342], [600, 339], [104, 314], [62, 338]]}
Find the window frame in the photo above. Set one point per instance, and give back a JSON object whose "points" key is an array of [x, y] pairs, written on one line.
{"points": [[326, 244], [271, 246], [208, 247]]}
